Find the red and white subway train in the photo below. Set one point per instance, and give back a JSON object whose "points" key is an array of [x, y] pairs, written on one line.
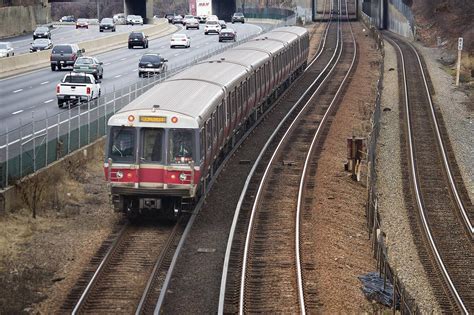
{"points": [[165, 145]]}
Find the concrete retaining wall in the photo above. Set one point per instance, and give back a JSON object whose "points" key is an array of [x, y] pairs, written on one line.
{"points": [[31, 61], [23, 19]]}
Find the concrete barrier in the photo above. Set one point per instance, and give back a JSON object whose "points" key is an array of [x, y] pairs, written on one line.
{"points": [[31, 61]]}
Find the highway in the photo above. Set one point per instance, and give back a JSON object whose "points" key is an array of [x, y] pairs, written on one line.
{"points": [[35, 91], [68, 34]]}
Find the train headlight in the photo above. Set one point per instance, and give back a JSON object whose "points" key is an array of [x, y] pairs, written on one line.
{"points": [[182, 177], [119, 175], [174, 120]]}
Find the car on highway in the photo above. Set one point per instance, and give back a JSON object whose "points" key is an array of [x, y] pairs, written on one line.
{"points": [[212, 27], [192, 23], [238, 17], [134, 20], [187, 17], [149, 64], [212, 18], [137, 39], [65, 55], [6, 49], [227, 34], [67, 18], [41, 44], [82, 23], [222, 24], [202, 19], [42, 32], [89, 65], [169, 17], [177, 19], [119, 18], [77, 87], [107, 24], [182, 40]]}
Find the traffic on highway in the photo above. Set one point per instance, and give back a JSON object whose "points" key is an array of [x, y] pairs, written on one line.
{"points": [[36, 91]]}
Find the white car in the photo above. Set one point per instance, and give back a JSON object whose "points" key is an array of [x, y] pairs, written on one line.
{"points": [[212, 18], [212, 27], [76, 88], [134, 19], [6, 49], [180, 40]]}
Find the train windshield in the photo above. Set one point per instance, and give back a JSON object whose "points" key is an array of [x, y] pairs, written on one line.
{"points": [[181, 146], [153, 144], [122, 144]]}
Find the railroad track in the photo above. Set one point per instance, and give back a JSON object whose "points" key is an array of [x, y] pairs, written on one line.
{"points": [[261, 273], [128, 274], [441, 207]]}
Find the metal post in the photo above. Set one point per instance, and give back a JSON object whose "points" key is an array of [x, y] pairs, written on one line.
{"points": [[89, 121], [58, 139], [79, 128], [458, 67], [105, 115], [46, 143], [69, 131], [21, 148], [6, 153], [34, 140]]}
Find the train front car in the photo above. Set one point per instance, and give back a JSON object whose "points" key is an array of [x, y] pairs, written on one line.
{"points": [[154, 161]]}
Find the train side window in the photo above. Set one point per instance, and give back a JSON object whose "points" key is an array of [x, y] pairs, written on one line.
{"points": [[232, 102], [228, 110], [203, 144], [239, 98], [181, 145], [220, 116], [208, 135], [152, 140], [214, 127]]}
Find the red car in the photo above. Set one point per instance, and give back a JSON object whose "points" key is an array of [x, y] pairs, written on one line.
{"points": [[82, 23]]}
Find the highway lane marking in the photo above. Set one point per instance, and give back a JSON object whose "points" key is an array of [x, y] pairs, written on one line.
{"points": [[135, 70], [176, 55], [123, 59], [17, 112], [48, 101], [108, 63], [19, 90], [118, 76], [45, 82]]}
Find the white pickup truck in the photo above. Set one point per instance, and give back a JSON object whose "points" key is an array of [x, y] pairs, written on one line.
{"points": [[76, 88]]}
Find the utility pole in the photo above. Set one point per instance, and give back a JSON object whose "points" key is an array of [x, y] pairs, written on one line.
{"points": [[458, 70], [98, 10]]}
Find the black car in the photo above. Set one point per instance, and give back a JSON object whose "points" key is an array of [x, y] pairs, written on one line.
{"points": [[137, 39], [107, 24], [150, 64], [41, 44], [169, 17], [41, 32], [238, 17], [227, 34], [65, 55]]}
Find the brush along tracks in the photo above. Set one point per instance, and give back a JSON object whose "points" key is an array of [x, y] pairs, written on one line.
{"points": [[443, 211], [129, 273], [264, 270]]}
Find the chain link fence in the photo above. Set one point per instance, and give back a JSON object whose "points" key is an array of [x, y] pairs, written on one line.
{"points": [[402, 301], [48, 138]]}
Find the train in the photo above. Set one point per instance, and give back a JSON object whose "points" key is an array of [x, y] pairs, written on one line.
{"points": [[164, 147]]}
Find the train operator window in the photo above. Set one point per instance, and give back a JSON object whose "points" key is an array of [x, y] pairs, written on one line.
{"points": [[153, 144], [122, 144], [181, 146]]}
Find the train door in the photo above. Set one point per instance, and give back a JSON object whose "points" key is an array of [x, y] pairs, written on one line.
{"points": [[152, 157]]}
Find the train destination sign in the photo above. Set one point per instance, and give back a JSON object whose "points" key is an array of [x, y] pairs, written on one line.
{"points": [[154, 119]]}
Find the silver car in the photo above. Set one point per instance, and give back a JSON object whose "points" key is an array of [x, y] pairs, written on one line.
{"points": [[191, 23], [6, 49]]}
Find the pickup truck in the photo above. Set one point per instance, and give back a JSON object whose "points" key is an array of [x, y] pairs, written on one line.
{"points": [[77, 87]]}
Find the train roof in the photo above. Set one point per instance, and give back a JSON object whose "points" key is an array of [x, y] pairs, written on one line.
{"points": [[285, 37], [220, 73], [300, 31], [264, 45], [245, 57], [196, 99]]}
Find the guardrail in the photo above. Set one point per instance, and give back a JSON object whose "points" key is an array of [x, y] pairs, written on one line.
{"points": [[401, 298], [37, 144]]}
